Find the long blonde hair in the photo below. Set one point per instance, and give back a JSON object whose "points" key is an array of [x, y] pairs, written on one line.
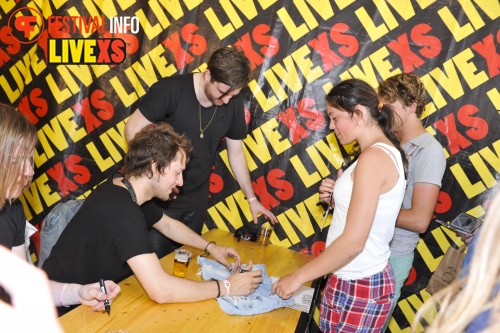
{"points": [[18, 138], [466, 298]]}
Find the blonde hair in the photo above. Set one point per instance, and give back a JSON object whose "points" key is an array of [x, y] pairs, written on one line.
{"points": [[18, 138], [466, 298]]}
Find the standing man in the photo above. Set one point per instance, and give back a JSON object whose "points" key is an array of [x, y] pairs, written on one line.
{"points": [[206, 107], [405, 93]]}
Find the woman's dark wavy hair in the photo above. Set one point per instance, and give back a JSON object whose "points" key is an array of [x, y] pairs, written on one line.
{"points": [[349, 93], [157, 143]]}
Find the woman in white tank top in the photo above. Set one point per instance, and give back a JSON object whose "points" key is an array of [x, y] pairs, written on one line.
{"points": [[368, 195]]}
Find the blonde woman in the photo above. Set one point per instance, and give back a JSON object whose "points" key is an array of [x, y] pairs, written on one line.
{"points": [[18, 138], [472, 304]]}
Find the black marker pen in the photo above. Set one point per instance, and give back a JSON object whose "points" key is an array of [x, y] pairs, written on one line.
{"points": [[106, 302]]}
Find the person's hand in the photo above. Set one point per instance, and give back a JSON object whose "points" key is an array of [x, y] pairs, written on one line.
{"points": [[91, 295], [326, 189], [466, 238], [286, 286], [32, 306], [256, 208], [245, 283], [221, 253], [173, 194]]}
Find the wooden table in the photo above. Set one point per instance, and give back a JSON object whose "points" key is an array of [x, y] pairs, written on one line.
{"points": [[132, 310]]}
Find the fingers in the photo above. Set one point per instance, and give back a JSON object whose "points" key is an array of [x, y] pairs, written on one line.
{"points": [[112, 288], [275, 286]]}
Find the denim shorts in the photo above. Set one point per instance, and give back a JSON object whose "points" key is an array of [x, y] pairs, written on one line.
{"points": [[260, 301]]}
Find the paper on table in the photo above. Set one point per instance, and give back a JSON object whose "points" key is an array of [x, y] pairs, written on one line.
{"points": [[303, 297]]}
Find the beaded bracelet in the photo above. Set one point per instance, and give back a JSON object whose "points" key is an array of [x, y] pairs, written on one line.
{"points": [[61, 296], [206, 247]]}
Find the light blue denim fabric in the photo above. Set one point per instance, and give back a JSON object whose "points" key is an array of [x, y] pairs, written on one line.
{"points": [[54, 224], [261, 301]]}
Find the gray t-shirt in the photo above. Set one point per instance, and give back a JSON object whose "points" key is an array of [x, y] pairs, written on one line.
{"points": [[426, 164]]}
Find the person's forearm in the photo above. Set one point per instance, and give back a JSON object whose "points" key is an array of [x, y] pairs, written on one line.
{"points": [[180, 233], [239, 166], [68, 296], [413, 220], [183, 290]]}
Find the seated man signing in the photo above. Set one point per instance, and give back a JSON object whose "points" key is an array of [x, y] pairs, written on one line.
{"points": [[108, 236]]}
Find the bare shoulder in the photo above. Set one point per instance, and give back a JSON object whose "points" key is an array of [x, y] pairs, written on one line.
{"points": [[376, 159]]}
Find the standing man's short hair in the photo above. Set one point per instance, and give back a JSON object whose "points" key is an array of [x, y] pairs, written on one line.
{"points": [[230, 66], [406, 88], [157, 143]]}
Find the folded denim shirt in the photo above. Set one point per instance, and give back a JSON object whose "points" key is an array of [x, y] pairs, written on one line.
{"points": [[260, 301]]}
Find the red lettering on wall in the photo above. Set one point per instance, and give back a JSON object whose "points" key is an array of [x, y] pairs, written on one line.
{"points": [[198, 42], [448, 127], [35, 99], [431, 45], [486, 48], [289, 118], [284, 188], [245, 43], [270, 45], [65, 185], [409, 59], [81, 172], [105, 110], [316, 118], [78, 173], [198, 45], [443, 203], [329, 58], [216, 183], [182, 57], [275, 179], [478, 126], [265, 198], [13, 45]]}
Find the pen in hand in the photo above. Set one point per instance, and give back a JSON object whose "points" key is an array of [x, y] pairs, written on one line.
{"points": [[106, 302]]}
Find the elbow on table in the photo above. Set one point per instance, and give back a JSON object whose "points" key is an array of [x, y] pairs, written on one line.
{"points": [[160, 296]]}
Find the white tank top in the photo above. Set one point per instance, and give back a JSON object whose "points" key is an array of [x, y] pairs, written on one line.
{"points": [[376, 253]]}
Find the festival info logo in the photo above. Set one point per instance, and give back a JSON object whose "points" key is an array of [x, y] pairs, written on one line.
{"points": [[27, 25]]}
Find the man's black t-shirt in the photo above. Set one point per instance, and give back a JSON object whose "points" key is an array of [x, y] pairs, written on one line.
{"points": [[173, 100], [108, 230]]}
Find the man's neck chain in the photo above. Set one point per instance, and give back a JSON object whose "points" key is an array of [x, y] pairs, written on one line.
{"points": [[203, 130], [130, 189]]}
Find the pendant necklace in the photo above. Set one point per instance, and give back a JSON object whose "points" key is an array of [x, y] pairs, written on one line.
{"points": [[130, 189], [203, 130], [199, 111]]}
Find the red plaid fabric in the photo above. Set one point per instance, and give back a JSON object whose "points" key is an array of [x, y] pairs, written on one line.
{"points": [[357, 305]]}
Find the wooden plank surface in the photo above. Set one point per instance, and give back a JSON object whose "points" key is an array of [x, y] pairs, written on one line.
{"points": [[132, 310]]}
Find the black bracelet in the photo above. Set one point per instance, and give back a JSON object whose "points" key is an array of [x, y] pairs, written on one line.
{"points": [[218, 288], [206, 247]]}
